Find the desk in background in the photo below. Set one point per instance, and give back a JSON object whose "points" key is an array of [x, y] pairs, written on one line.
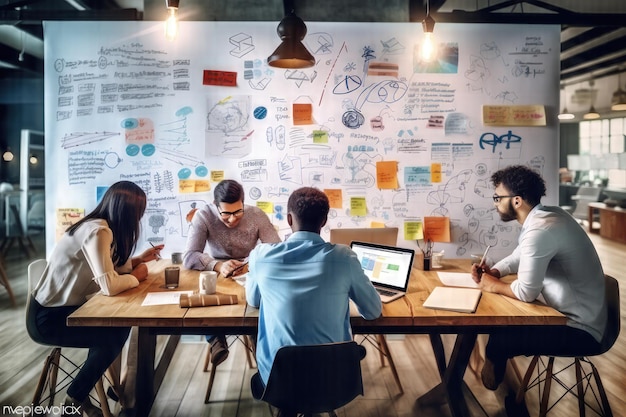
{"points": [[403, 316]]}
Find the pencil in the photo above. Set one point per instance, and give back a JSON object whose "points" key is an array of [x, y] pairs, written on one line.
{"points": [[157, 255], [482, 261]]}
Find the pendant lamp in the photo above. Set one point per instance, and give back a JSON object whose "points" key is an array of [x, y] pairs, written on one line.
{"points": [[291, 53]]}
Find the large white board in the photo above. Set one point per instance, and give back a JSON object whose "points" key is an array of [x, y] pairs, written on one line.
{"points": [[124, 103]]}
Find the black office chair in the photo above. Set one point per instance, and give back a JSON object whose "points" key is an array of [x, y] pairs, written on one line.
{"points": [[591, 396], [58, 370], [312, 379]]}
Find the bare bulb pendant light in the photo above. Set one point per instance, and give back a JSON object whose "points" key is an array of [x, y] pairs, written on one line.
{"points": [[428, 51], [291, 53], [171, 22], [618, 102]]}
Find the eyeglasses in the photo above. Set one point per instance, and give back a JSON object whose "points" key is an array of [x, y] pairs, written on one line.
{"points": [[226, 214], [496, 198]]}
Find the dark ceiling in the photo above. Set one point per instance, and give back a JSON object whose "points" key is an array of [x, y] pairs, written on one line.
{"points": [[593, 33]]}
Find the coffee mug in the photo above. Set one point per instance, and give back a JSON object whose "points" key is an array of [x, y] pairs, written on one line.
{"points": [[177, 258], [207, 282]]}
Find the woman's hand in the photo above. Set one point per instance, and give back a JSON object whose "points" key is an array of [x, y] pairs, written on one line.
{"points": [[140, 272], [151, 254]]}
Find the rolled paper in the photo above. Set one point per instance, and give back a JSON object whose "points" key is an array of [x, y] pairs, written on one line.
{"points": [[205, 300]]}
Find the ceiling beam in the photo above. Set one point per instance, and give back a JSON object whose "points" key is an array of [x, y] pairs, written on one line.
{"points": [[37, 16]]}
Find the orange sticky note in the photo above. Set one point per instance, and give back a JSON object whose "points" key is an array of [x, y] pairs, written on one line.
{"points": [[435, 172], [437, 229], [335, 198], [202, 186], [377, 225], [387, 174], [302, 114], [186, 186]]}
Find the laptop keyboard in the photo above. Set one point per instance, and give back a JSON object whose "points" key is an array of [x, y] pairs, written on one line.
{"points": [[386, 292]]}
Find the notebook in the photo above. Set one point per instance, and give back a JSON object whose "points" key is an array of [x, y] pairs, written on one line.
{"points": [[387, 267], [382, 235], [464, 300]]}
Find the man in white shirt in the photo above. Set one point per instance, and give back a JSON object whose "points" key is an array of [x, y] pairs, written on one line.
{"points": [[555, 262]]}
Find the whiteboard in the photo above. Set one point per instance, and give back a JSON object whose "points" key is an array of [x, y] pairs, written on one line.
{"points": [[123, 103]]}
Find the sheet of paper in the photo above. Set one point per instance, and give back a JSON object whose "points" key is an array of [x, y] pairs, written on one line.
{"points": [[162, 298], [457, 279]]}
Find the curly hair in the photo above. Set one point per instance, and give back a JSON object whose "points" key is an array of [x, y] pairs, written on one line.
{"points": [[522, 181], [310, 207]]}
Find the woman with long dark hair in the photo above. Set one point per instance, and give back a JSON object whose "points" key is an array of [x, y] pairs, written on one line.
{"points": [[93, 256]]}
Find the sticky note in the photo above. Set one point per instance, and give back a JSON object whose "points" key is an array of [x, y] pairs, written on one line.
{"points": [[335, 197], [387, 174], [437, 229], [266, 206], [358, 206], [413, 230]]}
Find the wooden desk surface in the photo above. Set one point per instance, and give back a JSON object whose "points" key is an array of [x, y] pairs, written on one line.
{"points": [[125, 309]]}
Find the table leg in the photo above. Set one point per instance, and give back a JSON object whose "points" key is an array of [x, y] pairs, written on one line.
{"points": [[144, 383], [450, 389]]}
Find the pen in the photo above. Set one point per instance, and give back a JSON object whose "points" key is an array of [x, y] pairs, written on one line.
{"points": [[157, 255], [482, 261], [237, 269]]}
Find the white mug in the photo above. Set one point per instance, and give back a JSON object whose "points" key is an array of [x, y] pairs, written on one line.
{"points": [[207, 282]]}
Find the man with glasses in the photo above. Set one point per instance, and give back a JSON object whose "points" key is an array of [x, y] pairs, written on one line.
{"points": [[229, 230], [555, 262]]}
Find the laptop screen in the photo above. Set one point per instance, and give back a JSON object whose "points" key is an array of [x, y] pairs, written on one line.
{"points": [[386, 266]]}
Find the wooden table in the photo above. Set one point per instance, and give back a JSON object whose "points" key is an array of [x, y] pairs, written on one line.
{"points": [[403, 316]]}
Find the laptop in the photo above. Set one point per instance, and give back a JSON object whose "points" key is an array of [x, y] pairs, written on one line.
{"points": [[381, 235], [387, 267]]}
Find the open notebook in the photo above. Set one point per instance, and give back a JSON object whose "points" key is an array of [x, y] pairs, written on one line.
{"points": [[464, 300], [387, 267]]}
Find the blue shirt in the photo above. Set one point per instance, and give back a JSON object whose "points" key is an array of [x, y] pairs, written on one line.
{"points": [[556, 259], [303, 287]]}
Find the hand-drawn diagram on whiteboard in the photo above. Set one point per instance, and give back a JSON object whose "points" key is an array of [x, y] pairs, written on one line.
{"points": [[228, 132]]}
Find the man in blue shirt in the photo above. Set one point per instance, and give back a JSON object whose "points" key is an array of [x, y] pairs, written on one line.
{"points": [[303, 285], [555, 262]]}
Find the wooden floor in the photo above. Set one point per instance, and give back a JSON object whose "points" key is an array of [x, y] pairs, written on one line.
{"points": [[182, 393]]}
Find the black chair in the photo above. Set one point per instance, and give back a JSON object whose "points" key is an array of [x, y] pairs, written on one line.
{"points": [[58, 370], [312, 379], [590, 396]]}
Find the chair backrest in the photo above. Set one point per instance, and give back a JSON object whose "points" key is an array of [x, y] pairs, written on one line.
{"points": [[35, 271], [315, 378], [613, 324]]}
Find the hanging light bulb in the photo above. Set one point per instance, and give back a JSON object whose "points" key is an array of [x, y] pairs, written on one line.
{"points": [[565, 115], [171, 23], [33, 159], [428, 51]]}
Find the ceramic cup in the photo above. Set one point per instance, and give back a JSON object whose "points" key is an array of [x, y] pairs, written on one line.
{"points": [[207, 282]]}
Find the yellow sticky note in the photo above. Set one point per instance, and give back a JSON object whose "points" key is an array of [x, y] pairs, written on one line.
{"points": [[413, 230], [266, 206], [377, 225], [217, 176], [65, 218], [186, 186], [202, 186], [320, 136], [358, 206], [335, 197], [387, 174]]}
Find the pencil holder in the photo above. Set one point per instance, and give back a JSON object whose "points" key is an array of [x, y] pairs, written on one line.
{"points": [[426, 263]]}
